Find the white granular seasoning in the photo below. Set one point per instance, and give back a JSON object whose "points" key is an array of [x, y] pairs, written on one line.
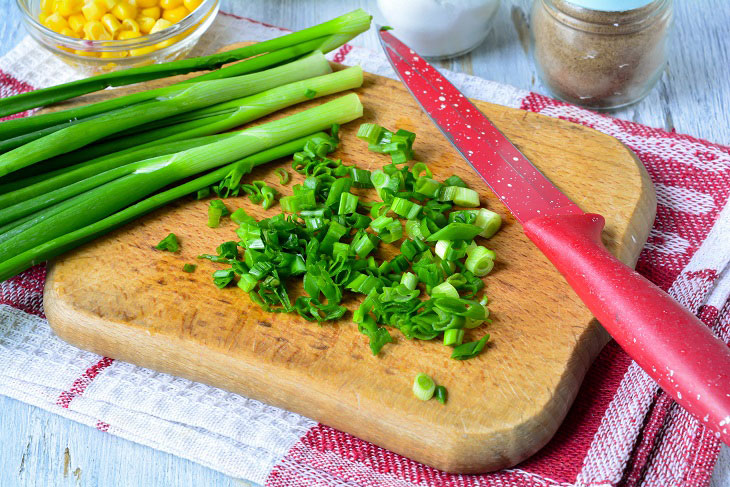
{"points": [[440, 28]]}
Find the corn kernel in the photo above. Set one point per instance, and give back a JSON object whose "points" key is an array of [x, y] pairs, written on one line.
{"points": [[175, 15], [56, 22], [146, 24], [129, 24], [168, 4], [160, 24], [128, 34], [69, 33], [125, 10], [114, 55], [151, 12], [94, 10], [109, 4], [76, 22], [169, 42], [95, 31], [142, 51], [86, 53], [68, 7], [192, 4], [111, 24], [146, 3], [42, 18], [47, 6]]}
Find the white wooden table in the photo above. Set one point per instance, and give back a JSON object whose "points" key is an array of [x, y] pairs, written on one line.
{"points": [[40, 448]]}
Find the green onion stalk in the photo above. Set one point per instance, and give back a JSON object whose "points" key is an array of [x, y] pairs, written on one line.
{"points": [[39, 125], [217, 118], [68, 183], [28, 240], [63, 243], [345, 27], [183, 98]]}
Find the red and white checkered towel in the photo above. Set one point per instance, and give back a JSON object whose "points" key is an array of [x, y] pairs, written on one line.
{"points": [[621, 430]]}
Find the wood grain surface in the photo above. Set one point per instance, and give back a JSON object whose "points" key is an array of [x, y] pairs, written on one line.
{"points": [[122, 298], [695, 91]]}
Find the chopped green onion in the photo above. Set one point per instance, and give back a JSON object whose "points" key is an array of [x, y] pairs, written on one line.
{"points": [[444, 289], [348, 203], [423, 387], [455, 181], [202, 193], [216, 210], [427, 187], [460, 196], [283, 175], [419, 168], [441, 394], [169, 244], [363, 244], [360, 178], [240, 216], [480, 261], [369, 132], [247, 282], [189, 268], [223, 277], [488, 221], [469, 350], [453, 337], [455, 231], [409, 280], [404, 208]]}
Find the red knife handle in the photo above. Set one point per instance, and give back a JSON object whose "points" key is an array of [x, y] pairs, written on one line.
{"points": [[674, 347]]}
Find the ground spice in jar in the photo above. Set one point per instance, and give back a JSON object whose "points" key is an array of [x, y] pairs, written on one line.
{"points": [[598, 58]]}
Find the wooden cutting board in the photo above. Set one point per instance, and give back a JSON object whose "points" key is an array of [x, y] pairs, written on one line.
{"points": [[121, 298]]}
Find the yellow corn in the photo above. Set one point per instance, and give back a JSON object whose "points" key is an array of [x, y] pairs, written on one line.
{"points": [[142, 51], [130, 25], [47, 6], [169, 4], [124, 10], [67, 7], [114, 55], [128, 34], [56, 22], [175, 15], [160, 24], [86, 53], [111, 24], [94, 10], [192, 4], [146, 24], [76, 22], [151, 12], [95, 31], [70, 33], [115, 19]]}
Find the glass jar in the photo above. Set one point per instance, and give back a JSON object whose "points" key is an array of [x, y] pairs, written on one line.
{"points": [[600, 54], [439, 29]]}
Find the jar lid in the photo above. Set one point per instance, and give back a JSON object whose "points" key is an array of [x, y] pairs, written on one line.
{"points": [[611, 5]]}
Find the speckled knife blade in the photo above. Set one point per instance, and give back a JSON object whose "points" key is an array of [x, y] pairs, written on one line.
{"points": [[513, 178]]}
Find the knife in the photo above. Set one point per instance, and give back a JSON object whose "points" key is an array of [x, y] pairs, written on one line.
{"points": [[675, 348]]}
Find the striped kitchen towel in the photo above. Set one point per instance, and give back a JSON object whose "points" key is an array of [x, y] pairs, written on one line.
{"points": [[622, 430]]}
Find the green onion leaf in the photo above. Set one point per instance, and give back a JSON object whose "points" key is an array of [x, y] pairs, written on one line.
{"points": [[169, 244], [470, 349]]}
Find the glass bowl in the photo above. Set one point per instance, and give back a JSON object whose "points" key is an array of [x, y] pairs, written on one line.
{"points": [[95, 57]]}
